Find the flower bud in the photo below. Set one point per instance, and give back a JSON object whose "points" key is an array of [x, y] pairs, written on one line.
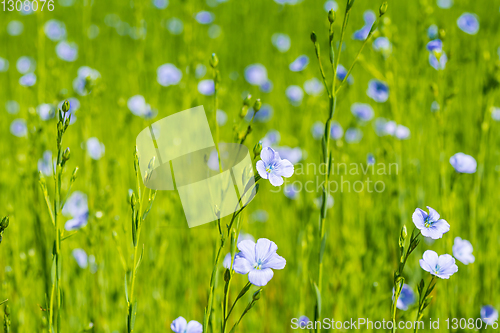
{"points": [[65, 106], [257, 105], [66, 155], [331, 16], [247, 100], [4, 224], [441, 34], [383, 8], [214, 61], [256, 295], [227, 275], [257, 148], [313, 37], [404, 233]]}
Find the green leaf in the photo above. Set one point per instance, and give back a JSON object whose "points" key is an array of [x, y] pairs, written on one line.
{"points": [[322, 248], [126, 288], [140, 258], [318, 300]]}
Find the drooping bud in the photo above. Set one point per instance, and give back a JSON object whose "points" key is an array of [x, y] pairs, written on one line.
{"points": [[247, 100], [227, 275], [383, 8], [66, 155], [331, 16], [65, 106], [214, 61], [256, 295]]}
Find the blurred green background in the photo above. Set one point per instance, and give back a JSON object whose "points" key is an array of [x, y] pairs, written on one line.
{"points": [[363, 228]]}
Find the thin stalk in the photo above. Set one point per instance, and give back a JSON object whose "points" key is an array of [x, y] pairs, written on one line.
{"points": [[241, 294]]}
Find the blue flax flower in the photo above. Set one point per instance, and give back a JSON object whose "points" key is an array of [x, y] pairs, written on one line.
{"points": [[442, 266], [258, 260], [489, 314], [463, 163], [406, 298], [378, 91], [430, 225], [462, 250], [180, 325], [468, 23], [272, 167]]}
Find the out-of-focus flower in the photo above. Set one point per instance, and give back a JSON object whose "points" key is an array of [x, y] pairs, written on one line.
{"points": [[168, 74], [15, 28], [281, 41], [55, 30], [378, 91], [495, 113], [402, 132], [138, 106], [160, 4], [204, 17], [46, 111], [258, 260], [336, 131], [67, 51], [271, 138], [462, 250], [438, 64], [81, 258], [369, 18], [443, 266], [331, 4], [468, 23], [299, 64], [12, 107], [435, 106], [74, 105], [318, 202], [18, 128], [272, 167], [303, 320], [435, 45], [353, 135], [175, 26], [318, 130], [362, 111], [200, 71], [25, 65], [95, 149], [221, 117], [342, 72], [77, 207], [256, 74], [86, 78], [406, 298], [430, 225], [313, 87], [294, 155], [45, 163], [291, 192], [463, 163], [445, 4], [264, 115], [206, 87], [295, 94], [4, 65], [267, 87], [432, 31], [383, 45], [489, 315], [370, 159], [180, 325], [28, 80]]}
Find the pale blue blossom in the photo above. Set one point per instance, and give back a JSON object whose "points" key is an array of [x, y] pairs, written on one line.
{"points": [[432, 31], [313, 87], [264, 115], [76, 207], [95, 149], [81, 258], [294, 155], [369, 18], [271, 138], [15, 28], [353, 135], [4, 65], [200, 71], [406, 298], [206, 87], [168, 74], [25, 64], [86, 78], [435, 106], [378, 91], [291, 192], [160, 4], [383, 45], [258, 260], [462, 250], [28, 80], [438, 60], [331, 5], [489, 315], [138, 106], [442, 266], [370, 159], [430, 225], [299, 64], [281, 41], [175, 26], [67, 51], [45, 164], [272, 167], [221, 117], [463, 163], [362, 111], [256, 74], [295, 94], [12, 107], [18, 128], [336, 130], [435, 45], [468, 23], [402, 132], [204, 17], [495, 113], [318, 130], [180, 325], [342, 72], [46, 111], [55, 30], [445, 4]]}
